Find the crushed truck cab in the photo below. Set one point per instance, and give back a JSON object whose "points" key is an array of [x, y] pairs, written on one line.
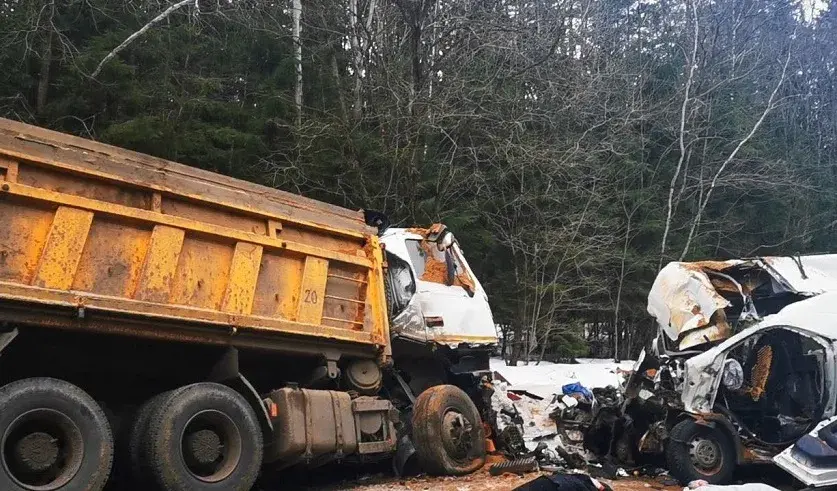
{"points": [[435, 296]]}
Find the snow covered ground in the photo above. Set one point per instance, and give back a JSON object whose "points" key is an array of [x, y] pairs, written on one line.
{"points": [[547, 378]]}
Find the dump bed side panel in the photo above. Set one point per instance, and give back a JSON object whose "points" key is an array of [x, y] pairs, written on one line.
{"points": [[92, 230]]}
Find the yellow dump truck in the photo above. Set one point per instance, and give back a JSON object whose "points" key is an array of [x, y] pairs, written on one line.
{"points": [[171, 328]]}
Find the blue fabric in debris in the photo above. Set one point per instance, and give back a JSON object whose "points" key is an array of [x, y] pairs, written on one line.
{"points": [[577, 388]]}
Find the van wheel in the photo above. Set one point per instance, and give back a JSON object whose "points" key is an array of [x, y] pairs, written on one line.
{"points": [[52, 436], [696, 451], [447, 431], [203, 437]]}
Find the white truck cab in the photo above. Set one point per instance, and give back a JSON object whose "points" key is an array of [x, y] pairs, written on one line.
{"points": [[433, 295]]}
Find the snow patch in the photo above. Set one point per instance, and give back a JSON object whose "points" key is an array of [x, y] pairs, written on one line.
{"points": [[546, 379]]}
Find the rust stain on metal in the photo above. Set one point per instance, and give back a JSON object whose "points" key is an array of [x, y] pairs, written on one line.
{"points": [[434, 270], [148, 239], [418, 231], [462, 339], [62, 253], [244, 272], [26, 142], [160, 264], [708, 265]]}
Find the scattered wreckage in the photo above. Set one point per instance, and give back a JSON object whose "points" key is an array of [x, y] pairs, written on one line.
{"points": [[744, 365]]}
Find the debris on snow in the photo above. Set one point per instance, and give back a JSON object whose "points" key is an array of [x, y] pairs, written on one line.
{"points": [[531, 400]]}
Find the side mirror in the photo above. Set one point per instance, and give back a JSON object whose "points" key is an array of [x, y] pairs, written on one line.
{"points": [[445, 240]]}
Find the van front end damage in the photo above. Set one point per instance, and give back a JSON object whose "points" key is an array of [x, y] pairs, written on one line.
{"points": [[752, 395], [743, 367]]}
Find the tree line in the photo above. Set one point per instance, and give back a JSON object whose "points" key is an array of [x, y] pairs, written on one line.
{"points": [[573, 146]]}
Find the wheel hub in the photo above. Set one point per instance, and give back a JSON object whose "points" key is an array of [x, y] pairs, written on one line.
{"points": [[456, 433], [705, 454], [203, 446], [42, 450], [36, 452], [211, 446]]}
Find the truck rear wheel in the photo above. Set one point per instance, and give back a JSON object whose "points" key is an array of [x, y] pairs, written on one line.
{"points": [[130, 457], [203, 437], [52, 436], [448, 432]]}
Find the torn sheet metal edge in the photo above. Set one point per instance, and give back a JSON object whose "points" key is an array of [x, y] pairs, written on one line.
{"points": [[810, 476], [683, 299], [468, 341], [410, 323]]}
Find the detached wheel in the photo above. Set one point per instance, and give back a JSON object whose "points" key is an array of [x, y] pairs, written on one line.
{"points": [[203, 437], [696, 451], [448, 432], [53, 436]]}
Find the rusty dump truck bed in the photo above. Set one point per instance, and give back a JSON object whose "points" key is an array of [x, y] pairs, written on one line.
{"points": [[98, 238]]}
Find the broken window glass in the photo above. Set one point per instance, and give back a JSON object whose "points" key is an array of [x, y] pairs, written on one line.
{"points": [[431, 264], [400, 285], [443, 267]]}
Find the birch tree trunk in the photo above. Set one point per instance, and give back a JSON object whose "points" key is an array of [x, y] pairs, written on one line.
{"points": [[681, 140], [124, 44], [771, 104], [297, 31]]}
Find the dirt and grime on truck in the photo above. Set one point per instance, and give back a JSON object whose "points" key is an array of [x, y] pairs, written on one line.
{"points": [[164, 327]]}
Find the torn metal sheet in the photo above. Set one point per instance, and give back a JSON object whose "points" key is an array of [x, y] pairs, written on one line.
{"points": [[699, 302], [683, 299], [410, 323]]}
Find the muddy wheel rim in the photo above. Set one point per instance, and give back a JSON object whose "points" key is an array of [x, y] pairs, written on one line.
{"points": [[456, 434], [705, 454], [210, 446], [42, 450]]}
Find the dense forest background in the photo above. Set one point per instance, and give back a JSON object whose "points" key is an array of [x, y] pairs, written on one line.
{"points": [[573, 146]]}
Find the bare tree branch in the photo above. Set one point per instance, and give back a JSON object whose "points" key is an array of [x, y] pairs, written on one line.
{"points": [[140, 32], [767, 110]]}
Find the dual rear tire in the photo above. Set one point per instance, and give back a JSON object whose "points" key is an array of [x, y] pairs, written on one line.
{"points": [[55, 437], [199, 437]]}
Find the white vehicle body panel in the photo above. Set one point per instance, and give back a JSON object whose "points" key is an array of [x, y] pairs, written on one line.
{"points": [[815, 317], [686, 296], [441, 313]]}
